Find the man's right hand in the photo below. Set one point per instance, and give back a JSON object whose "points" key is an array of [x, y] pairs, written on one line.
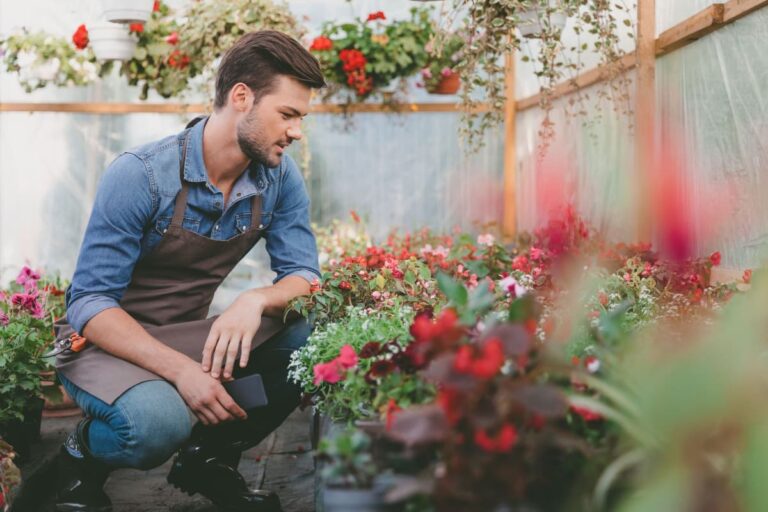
{"points": [[206, 396]]}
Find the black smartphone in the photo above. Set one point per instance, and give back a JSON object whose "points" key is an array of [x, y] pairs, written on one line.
{"points": [[248, 391]]}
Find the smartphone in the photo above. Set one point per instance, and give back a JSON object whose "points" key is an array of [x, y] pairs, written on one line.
{"points": [[248, 392]]}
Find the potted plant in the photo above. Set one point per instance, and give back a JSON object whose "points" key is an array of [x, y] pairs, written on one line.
{"points": [[111, 41], [41, 59], [27, 311], [366, 56], [126, 11], [348, 472], [441, 74], [535, 17]]}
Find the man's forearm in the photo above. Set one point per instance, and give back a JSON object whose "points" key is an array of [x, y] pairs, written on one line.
{"points": [[274, 299], [115, 331]]}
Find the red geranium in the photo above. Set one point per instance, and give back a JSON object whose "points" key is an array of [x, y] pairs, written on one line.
{"points": [[156, 6], [80, 37], [502, 442], [715, 258], [178, 60], [321, 44], [136, 28], [352, 59], [173, 38], [378, 15]]}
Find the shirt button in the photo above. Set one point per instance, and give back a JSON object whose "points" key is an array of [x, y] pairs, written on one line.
{"points": [[217, 204], [216, 227], [239, 194]]}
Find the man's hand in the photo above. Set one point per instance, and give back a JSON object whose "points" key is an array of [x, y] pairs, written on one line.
{"points": [[207, 397], [233, 330]]}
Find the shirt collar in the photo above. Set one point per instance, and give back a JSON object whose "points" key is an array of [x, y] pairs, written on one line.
{"points": [[254, 181]]}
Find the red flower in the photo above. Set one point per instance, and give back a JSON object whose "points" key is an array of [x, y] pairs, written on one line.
{"points": [[321, 44], [173, 38], [449, 401], [504, 440], [347, 357], [355, 216], [392, 408], [156, 6], [378, 15], [747, 277], [370, 349], [352, 59], [136, 28], [344, 285], [315, 287], [715, 258], [446, 328], [484, 366], [80, 37], [327, 372], [178, 60], [587, 414]]}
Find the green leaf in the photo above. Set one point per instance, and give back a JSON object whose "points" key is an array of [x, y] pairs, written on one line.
{"points": [[454, 290]]}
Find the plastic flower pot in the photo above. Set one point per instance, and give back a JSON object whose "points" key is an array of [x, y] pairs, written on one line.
{"points": [[352, 500], [448, 85], [111, 41], [22, 433], [127, 11], [530, 25]]}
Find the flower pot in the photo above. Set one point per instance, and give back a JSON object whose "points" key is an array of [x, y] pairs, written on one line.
{"points": [[448, 85], [127, 11], [111, 41], [353, 500], [22, 433], [530, 25]]}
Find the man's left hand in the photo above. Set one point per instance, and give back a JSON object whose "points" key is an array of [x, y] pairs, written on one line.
{"points": [[234, 330]]}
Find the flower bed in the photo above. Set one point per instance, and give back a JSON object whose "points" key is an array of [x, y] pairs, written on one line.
{"points": [[488, 364]]}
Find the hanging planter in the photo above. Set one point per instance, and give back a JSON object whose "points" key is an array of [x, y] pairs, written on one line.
{"points": [[111, 41], [448, 84], [127, 11], [531, 25]]}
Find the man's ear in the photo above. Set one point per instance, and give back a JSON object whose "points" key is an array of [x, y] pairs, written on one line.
{"points": [[241, 97]]}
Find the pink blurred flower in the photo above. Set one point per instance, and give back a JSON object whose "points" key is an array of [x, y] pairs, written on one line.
{"points": [[486, 239], [327, 372], [347, 357], [512, 288], [4, 320], [27, 275], [426, 73]]}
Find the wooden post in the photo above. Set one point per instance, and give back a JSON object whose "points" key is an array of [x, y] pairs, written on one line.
{"points": [[509, 226], [645, 118]]}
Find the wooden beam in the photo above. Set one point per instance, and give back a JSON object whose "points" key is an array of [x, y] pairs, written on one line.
{"points": [[178, 108], [645, 119], [695, 27], [509, 226], [735, 9], [581, 81]]}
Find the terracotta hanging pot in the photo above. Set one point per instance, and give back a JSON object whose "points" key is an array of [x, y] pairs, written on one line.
{"points": [[111, 41], [127, 11], [448, 85]]}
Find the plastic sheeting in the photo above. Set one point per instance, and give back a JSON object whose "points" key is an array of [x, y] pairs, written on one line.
{"points": [[711, 107]]}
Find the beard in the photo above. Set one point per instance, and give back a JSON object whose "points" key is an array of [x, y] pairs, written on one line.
{"points": [[253, 141]]}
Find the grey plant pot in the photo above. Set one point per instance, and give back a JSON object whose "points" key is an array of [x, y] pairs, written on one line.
{"points": [[352, 500]]}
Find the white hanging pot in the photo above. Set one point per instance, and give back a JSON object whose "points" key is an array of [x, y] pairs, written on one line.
{"points": [[111, 41], [530, 24], [127, 11]]}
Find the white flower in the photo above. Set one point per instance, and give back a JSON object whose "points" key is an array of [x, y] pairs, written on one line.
{"points": [[512, 287], [47, 70], [593, 364], [486, 239], [26, 59]]}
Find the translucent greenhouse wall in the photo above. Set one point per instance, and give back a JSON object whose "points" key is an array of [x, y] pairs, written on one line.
{"points": [[396, 170], [712, 107]]}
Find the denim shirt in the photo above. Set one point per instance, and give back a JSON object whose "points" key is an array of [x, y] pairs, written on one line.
{"points": [[134, 205]]}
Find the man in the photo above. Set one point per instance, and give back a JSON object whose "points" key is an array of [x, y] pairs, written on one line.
{"points": [[170, 220]]}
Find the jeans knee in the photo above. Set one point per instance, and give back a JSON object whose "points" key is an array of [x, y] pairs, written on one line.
{"points": [[157, 428]]}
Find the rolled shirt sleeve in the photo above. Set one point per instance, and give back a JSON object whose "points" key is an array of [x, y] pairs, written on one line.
{"points": [[290, 242], [112, 241]]}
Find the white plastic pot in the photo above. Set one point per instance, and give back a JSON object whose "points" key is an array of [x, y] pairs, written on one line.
{"points": [[111, 41], [530, 25], [127, 11]]}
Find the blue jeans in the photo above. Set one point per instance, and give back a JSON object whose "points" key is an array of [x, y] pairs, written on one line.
{"points": [[150, 421]]}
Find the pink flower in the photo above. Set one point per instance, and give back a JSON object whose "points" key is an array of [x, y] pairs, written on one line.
{"points": [[486, 239], [426, 73], [28, 302], [715, 258], [173, 38], [446, 72], [536, 253], [327, 372], [27, 275], [347, 357], [512, 288], [4, 320]]}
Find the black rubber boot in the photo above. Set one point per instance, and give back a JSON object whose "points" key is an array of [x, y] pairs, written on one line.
{"points": [[80, 481], [213, 473]]}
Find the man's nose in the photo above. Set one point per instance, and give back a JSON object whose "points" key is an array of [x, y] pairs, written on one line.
{"points": [[294, 132]]}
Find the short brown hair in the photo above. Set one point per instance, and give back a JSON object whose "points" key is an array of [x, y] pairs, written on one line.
{"points": [[256, 60]]}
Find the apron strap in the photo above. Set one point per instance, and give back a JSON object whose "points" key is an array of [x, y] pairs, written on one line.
{"points": [[256, 211], [181, 198]]}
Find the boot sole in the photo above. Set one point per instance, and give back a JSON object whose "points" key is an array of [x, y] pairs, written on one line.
{"points": [[179, 483], [79, 507]]}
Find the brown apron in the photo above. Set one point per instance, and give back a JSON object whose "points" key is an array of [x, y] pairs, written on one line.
{"points": [[170, 292]]}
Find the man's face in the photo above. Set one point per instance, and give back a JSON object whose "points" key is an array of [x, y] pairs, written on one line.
{"points": [[274, 122]]}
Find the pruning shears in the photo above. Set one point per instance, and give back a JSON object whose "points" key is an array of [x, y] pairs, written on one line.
{"points": [[72, 343]]}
